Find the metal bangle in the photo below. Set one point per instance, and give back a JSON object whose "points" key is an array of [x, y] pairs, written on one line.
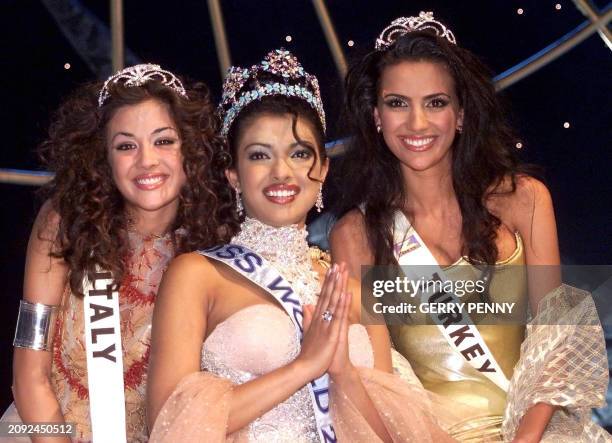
{"points": [[35, 326]]}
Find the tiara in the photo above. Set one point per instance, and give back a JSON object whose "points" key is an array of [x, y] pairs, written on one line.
{"points": [[404, 25], [138, 75], [293, 81]]}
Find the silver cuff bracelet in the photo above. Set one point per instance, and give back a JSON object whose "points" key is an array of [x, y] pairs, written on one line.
{"points": [[35, 326]]}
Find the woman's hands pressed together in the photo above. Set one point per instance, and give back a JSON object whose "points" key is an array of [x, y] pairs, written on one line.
{"points": [[325, 344]]}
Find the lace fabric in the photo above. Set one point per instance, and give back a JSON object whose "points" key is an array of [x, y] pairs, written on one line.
{"points": [[287, 250], [563, 363]]}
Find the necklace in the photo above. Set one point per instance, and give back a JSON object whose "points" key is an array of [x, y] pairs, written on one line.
{"points": [[287, 250]]}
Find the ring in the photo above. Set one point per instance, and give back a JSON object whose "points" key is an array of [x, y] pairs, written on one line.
{"points": [[327, 316]]}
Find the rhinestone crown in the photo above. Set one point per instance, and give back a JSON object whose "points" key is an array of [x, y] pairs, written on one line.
{"points": [[292, 81], [404, 25], [138, 75]]}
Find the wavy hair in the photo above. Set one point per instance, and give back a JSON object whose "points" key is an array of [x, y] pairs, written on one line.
{"points": [[93, 223], [482, 155]]}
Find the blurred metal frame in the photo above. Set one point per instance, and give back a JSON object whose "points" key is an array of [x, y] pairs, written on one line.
{"points": [[597, 22]]}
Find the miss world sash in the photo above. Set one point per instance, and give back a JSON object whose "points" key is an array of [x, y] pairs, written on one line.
{"points": [[104, 359], [253, 266], [461, 334]]}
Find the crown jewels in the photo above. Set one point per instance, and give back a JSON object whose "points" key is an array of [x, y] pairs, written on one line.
{"points": [[138, 75], [293, 81], [404, 25]]}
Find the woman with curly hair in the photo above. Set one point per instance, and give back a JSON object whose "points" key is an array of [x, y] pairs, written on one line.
{"points": [[435, 181], [133, 186]]}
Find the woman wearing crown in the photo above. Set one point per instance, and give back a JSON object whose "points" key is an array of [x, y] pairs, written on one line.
{"points": [[435, 182], [132, 158], [270, 345]]}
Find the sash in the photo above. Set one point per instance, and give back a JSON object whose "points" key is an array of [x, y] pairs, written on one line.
{"points": [[462, 335], [253, 266], [104, 359]]}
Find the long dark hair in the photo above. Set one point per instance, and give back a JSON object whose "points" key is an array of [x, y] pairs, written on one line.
{"points": [[483, 155], [93, 223]]}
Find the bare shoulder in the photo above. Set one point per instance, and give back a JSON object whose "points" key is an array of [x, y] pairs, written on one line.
{"points": [[349, 243], [46, 225], [349, 232], [517, 208], [189, 275], [351, 223], [45, 274]]}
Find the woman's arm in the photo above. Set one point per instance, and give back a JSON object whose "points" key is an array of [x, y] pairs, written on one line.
{"points": [[349, 243], [179, 322], [44, 281], [531, 213], [345, 376], [376, 328]]}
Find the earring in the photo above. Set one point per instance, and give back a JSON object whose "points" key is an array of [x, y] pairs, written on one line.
{"points": [[378, 128], [239, 207], [459, 129], [319, 202]]}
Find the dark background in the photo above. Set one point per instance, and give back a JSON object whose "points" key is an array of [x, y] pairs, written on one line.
{"points": [[577, 160]]}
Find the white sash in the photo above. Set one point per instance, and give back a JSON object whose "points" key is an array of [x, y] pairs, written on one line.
{"points": [[254, 267], [462, 335], [104, 359]]}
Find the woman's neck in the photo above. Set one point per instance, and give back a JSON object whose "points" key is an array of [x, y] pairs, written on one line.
{"points": [[152, 222], [428, 192]]}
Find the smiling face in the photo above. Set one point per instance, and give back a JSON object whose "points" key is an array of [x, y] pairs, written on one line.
{"points": [[274, 169], [418, 112], [144, 152]]}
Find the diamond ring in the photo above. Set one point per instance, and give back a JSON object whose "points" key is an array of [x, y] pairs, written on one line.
{"points": [[327, 316]]}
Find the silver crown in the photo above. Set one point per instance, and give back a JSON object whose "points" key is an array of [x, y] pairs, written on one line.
{"points": [[404, 25], [138, 75], [280, 63]]}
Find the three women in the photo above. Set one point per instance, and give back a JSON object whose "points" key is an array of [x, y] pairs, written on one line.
{"points": [[431, 153]]}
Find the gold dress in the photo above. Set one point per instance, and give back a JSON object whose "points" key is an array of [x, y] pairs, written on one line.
{"points": [[558, 358], [149, 257], [445, 372]]}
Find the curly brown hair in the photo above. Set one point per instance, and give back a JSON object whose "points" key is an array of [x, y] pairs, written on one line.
{"points": [[93, 223]]}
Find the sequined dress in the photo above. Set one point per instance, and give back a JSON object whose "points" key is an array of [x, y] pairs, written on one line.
{"points": [[261, 338], [149, 257]]}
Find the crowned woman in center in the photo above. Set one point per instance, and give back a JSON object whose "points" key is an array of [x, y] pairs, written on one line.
{"points": [[260, 340]]}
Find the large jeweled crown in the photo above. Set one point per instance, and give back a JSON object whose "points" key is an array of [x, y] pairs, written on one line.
{"points": [[138, 75], [404, 25], [280, 73]]}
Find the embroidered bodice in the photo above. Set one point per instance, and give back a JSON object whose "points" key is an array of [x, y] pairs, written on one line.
{"points": [[262, 338], [287, 250], [148, 259]]}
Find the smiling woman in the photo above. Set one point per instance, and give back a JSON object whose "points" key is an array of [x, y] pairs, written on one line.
{"points": [[259, 340], [418, 113], [280, 165], [133, 185], [146, 161], [436, 181]]}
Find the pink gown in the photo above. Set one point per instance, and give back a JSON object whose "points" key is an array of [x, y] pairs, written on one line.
{"points": [[262, 338]]}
